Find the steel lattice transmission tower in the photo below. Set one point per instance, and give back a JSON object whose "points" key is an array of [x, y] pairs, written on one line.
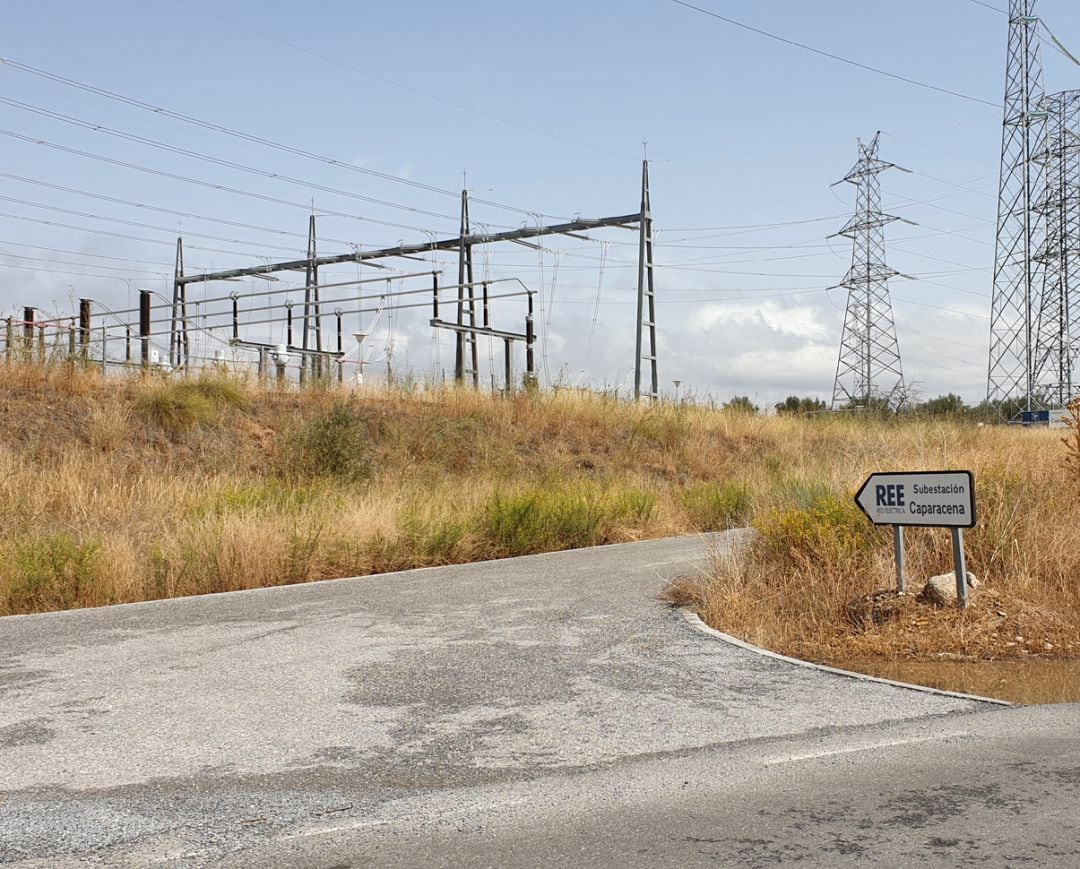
{"points": [[1016, 305], [1057, 349], [868, 371]]}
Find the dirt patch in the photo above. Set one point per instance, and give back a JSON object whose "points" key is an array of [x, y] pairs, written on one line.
{"points": [[1036, 680]]}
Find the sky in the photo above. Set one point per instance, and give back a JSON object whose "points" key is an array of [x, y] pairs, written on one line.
{"points": [[543, 112]]}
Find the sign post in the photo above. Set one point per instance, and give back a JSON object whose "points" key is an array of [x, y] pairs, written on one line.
{"points": [[936, 499], [898, 554]]}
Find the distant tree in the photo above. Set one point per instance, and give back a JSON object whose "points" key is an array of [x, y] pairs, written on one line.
{"points": [[795, 404], [741, 404], [878, 407], [944, 405]]}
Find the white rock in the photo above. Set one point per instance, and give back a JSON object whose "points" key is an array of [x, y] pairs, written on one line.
{"points": [[941, 590]]}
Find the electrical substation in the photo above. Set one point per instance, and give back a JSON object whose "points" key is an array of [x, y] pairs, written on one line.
{"points": [[300, 320], [324, 324]]}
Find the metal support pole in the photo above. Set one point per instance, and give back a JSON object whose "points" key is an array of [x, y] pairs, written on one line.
{"points": [[459, 337], [144, 327], [127, 343], [236, 317], [85, 312], [898, 551], [41, 343], [9, 335], [466, 352], [340, 347], [646, 298], [104, 348], [178, 337], [508, 344], [311, 305], [960, 567], [530, 341], [288, 324], [487, 311], [28, 330], [72, 333], [435, 295]]}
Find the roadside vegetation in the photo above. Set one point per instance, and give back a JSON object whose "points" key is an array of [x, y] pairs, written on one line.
{"points": [[142, 488], [146, 487], [815, 579]]}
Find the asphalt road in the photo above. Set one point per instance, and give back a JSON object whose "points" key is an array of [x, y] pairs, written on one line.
{"points": [[525, 712]]}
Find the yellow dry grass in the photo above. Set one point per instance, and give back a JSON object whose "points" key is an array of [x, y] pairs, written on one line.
{"points": [[124, 490], [814, 553], [107, 496]]}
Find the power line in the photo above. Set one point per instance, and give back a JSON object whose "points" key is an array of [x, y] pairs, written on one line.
{"points": [[250, 137], [835, 57], [935, 148], [210, 185], [87, 254], [217, 161], [989, 6], [1058, 45], [125, 236], [61, 272], [160, 210], [408, 88], [748, 226], [939, 308], [83, 265], [140, 225]]}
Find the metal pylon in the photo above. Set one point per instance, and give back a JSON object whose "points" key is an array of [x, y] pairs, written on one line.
{"points": [[465, 355], [868, 371], [178, 332], [646, 297], [1011, 373], [312, 312], [1057, 331]]}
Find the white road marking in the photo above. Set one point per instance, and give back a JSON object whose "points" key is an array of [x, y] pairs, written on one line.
{"points": [[851, 749]]}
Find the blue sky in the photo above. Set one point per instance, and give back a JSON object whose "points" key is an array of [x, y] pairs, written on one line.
{"points": [[545, 108]]}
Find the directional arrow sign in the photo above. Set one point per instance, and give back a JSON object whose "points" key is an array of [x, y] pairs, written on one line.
{"points": [[936, 498]]}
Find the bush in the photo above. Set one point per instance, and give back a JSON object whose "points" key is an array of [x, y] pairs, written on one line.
{"points": [[716, 506], [741, 404], [175, 409], [265, 496], [830, 533], [797, 404], [51, 572], [431, 537], [220, 392], [334, 444], [544, 520]]}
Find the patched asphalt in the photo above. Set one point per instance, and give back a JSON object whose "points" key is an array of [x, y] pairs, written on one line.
{"points": [[195, 730]]}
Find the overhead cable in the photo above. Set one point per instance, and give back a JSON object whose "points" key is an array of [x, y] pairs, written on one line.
{"points": [[836, 57]]}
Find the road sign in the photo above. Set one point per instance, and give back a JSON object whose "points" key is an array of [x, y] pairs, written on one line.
{"points": [[943, 499]]}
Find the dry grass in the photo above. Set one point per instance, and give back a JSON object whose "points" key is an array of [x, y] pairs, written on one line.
{"points": [[814, 552], [142, 488], [105, 498]]}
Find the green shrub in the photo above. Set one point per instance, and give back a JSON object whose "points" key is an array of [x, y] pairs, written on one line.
{"points": [[539, 520], [175, 409], [716, 506], [631, 505], [220, 392], [804, 494], [432, 538], [830, 532], [50, 572], [271, 495], [545, 519], [334, 444]]}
